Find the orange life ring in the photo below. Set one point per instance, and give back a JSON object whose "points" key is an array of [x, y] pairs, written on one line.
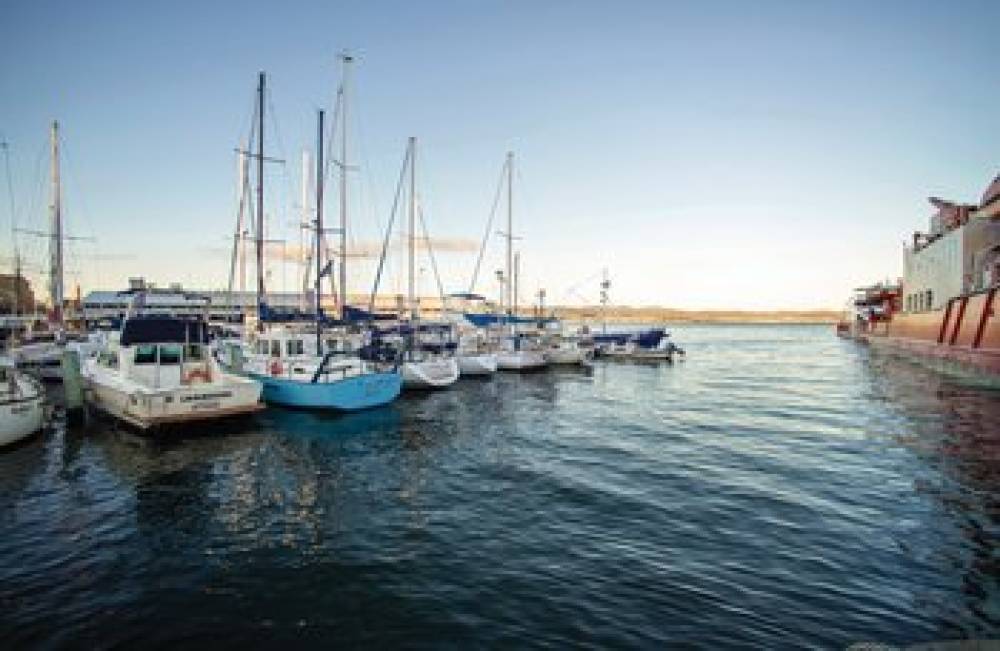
{"points": [[197, 374]]}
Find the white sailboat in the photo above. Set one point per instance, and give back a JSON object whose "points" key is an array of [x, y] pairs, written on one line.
{"points": [[41, 351], [477, 355], [421, 368], [158, 371], [22, 404], [566, 349], [519, 351]]}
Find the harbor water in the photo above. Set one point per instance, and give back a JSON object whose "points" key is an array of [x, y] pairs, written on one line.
{"points": [[779, 488]]}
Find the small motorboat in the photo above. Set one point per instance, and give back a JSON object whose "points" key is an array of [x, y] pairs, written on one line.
{"points": [[647, 345], [158, 371]]}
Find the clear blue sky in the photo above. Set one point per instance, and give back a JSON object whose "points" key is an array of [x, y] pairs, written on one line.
{"points": [[711, 154]]}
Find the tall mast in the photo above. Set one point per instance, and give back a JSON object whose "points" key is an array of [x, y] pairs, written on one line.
{"points": [[346, 59], [605, 285], [319, 229], [260, 203], [304, 258], [412, 242], [241, 228], [514, 278], [55, 246], [13, 231], [510, 230]]}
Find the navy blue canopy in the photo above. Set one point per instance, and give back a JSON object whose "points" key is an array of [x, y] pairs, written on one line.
{"points": [[467, 296], [484, 320], [163, 329], [356, 315]]}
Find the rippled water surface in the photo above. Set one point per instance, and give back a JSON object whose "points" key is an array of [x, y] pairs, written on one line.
{"points": [[778, 488]]}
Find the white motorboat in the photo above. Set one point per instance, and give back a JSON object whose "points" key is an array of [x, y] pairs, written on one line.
{"points": [[22, 404], [648, 345], [41, 354], [158, 371]]}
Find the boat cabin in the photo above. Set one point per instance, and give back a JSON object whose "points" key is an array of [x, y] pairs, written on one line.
{"points": [[160, 352]]}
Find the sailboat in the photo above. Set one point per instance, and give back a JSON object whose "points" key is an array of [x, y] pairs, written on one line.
{"points": [[22, 404], [519, 352], [425, 365], [292, 374], [41, 351]]}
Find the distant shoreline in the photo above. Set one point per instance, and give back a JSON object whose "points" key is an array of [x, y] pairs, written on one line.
{"points": [[625, 314]]}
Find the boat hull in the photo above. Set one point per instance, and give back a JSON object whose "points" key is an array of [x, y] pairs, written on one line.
{"points": [[430, 374], [522, 360], [477, 365], [154, 409], [961, 339], [566, 356], [21, 417], [349, 394]]}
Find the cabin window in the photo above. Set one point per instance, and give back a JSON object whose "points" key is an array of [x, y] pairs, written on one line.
{"points": [[145, 354], [275, 348], [294, 347], [930, 300], [262, 347], [170, 354], [192, 352]]}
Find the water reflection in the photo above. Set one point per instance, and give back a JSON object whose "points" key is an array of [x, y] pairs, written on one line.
{"points": [[954, 429], [779, 488]]}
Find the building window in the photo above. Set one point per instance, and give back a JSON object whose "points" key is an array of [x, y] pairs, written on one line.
{"points": [[930, 300]]}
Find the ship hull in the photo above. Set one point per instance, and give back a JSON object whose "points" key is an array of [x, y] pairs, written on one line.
{"points": [[961, 339]]}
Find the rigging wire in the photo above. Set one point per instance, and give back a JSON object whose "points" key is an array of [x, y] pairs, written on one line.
{"points": [[489, 228], [430, 250], [76, 190], [388, 230]]}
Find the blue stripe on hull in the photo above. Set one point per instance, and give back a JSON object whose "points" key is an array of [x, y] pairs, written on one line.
{"points": [[349, 394]]}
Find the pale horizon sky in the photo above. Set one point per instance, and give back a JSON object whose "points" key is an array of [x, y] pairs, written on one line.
{"points": [[711, 155]]}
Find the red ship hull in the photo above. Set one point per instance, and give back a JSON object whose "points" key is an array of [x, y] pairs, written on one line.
{"points": [[964, 337]]}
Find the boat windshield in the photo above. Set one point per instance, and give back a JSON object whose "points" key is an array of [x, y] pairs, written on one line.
{"points": [[145, 354], [170, 354]]}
